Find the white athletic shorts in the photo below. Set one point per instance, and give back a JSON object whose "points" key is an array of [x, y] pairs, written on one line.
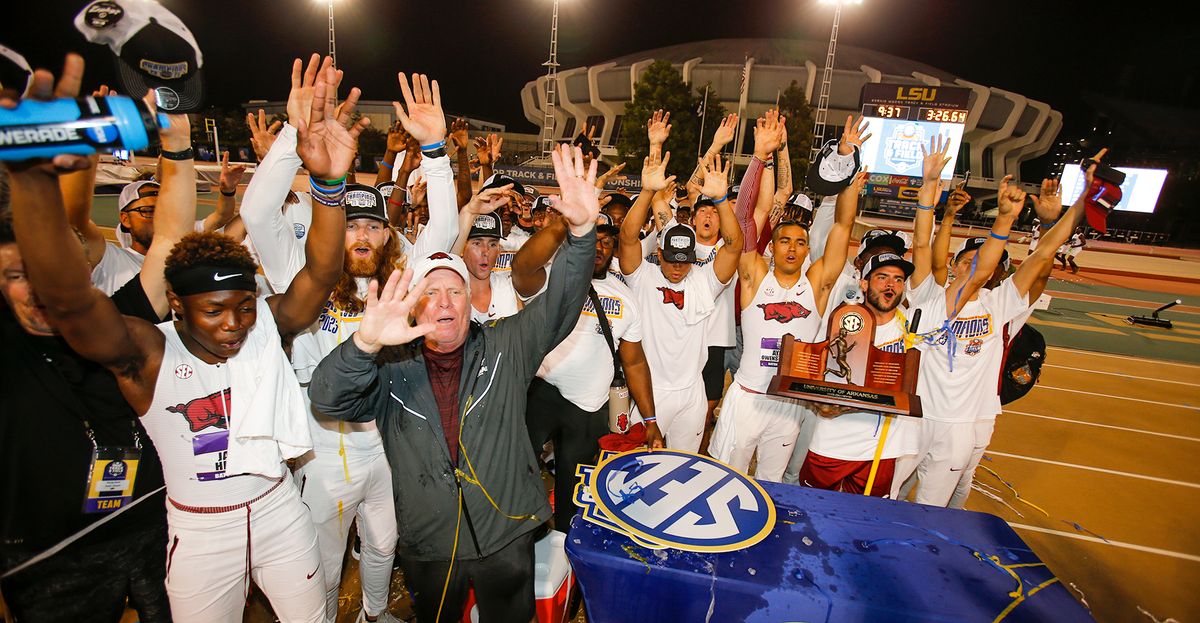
{"points": [[750, 422], [680, 415]]}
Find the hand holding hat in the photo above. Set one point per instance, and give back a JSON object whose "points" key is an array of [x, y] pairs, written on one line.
{"points": [[852, 136]]}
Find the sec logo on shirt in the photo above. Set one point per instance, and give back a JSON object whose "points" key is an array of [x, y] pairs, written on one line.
{"points": [[682, 500]]}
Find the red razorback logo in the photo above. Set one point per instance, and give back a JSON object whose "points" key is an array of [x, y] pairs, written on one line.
{"points": [[784, 312], [672, 297], [204, 412], [439, 255]]}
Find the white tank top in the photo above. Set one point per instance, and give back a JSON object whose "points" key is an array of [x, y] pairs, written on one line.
{"points": [[189, 423], [774, 312], [333, 327]]}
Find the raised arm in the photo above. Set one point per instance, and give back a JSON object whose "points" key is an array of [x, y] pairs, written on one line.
{"points": [[824, 271], [327, 144], [752, 265], [487, 150], [78, 188], [721, 137], [1033, 273], [174, 214], [654, 179], [485, 202], [935, 160], [716, 185], [426, 122], [462, 154], [769, 134], [1009, 202], [227, 186], [529, 264], [941, 242]]}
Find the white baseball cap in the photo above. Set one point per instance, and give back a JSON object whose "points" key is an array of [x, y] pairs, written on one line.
{"points": [[440, 259]]}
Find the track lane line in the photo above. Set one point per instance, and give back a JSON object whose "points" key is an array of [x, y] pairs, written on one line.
{"points": [[1120, 428], [1092, 539], [1181, 483]]}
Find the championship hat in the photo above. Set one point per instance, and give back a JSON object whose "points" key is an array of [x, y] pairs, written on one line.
{"points": [[153, 49], [540, 204], [603, 219], [440, 259], [887, 259], [486, 226], [618, 199], [832, 172], [801, 200], [735, 190], [889, 238], [531, 192], [679, 244], [15, 72], [972, 244], [364, 201], [496, 180], [386, 189]]}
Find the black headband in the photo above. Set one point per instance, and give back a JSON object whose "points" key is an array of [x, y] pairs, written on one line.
{"points": [[198, 279]]}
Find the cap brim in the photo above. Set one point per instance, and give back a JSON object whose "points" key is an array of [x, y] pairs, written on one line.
{"points": [[516, 186], [1097, 218], [681, 256], [891, 241], [190, 90], [902, 264]]}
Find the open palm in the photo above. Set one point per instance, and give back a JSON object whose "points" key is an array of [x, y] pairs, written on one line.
{"points": [[424, 119], [385, 321], [325, 146], [577, 203]]}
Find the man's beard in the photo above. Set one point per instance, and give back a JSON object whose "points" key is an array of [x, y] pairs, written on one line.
{"points": [[363, 267], [875, 300]]}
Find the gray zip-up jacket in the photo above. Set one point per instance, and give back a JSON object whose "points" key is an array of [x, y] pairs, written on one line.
{"points": [[495, 459]]}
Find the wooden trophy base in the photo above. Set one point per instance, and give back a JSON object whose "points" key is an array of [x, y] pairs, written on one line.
{"points": [[897, 402]]}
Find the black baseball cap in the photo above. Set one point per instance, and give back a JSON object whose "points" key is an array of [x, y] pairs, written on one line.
{"points": [[486, 226], [883, 238], [972, 244], [831, 172], [887, 259], [618, 199], [386, 189], [364, 201], [541, 203], [679, 244], [496, 180], [153, 50]]}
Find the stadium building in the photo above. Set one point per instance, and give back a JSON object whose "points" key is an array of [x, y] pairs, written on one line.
{"points": [[1003, 129]]}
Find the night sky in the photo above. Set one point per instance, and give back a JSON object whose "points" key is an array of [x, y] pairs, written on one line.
{"points": [[483, 51]]}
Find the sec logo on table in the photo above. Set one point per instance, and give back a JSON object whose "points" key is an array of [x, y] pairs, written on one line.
{"points": [[683, 500]]}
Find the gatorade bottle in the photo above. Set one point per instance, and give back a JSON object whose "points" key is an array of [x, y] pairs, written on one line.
{"points": [[84, 126]]}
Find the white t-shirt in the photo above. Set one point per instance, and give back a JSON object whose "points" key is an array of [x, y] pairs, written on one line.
{"points": [[961, 394], [675, 345], [116, 268], [581, 366], [719, 328], [855, 436], [504, 301]]}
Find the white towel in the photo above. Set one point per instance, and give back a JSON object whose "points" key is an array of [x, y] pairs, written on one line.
{"points": [[269, 422], [702, 289]]}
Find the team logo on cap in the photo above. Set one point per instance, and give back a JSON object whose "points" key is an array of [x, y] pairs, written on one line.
{"points": [[440, 255], [485, 221], [163, 71], [902, 150], [166, 98], [680, 242], [671, 498], [103, 14], [852, 323], [360, 199]]}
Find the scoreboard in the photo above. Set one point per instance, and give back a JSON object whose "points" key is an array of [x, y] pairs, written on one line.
{"points": [[902, 119]]}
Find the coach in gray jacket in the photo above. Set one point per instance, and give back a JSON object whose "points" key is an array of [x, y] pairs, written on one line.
{"points": [[449, 399]]}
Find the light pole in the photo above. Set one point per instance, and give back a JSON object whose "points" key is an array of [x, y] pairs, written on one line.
{"points": [[332, 36], [551, 66], [826, 78]]}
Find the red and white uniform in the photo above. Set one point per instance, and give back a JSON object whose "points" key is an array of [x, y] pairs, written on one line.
{"points": [[951, 399], [750, 419], [226, 528], [674, 316]]}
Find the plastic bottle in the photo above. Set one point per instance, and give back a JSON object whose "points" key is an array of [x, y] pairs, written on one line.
{"points": [[84, 126]]}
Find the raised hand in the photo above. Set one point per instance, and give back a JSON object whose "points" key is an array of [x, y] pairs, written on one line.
{"points": [[483, 151], [42, 86], [231, 175], [1048, 204], [577, 203], [935, 158], [385, 321], [1089, 172], [325, 146], [489, 200], [1010, 199], [611, 175], [658, 128], [397, 138], [458, 134], [262, 135], [852, 135], [716, 179], [419, 188], [724, 134], [654, 172], [860, 181], [957, 199], [769, 134], [494, 145], [300, 98], [424, 119]]}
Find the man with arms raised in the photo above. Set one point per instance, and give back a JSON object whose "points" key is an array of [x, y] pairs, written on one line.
{"points": [[449, 399], [215, 390], [676, 298], [775, 301]]}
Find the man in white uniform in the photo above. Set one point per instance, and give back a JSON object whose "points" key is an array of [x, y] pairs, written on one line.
{"points": [[676, 298]]}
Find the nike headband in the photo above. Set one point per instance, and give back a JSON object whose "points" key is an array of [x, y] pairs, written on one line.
{"points": [[198, 279]]}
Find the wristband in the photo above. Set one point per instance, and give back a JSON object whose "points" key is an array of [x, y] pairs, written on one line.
{"points": [[329, 183], [435, 153], [722, 199], [383, 163], [432, 146], [1048, 225], [650, 419], [993, 234], [186, 154], [229, 194], [326, 190], [921, 207]]}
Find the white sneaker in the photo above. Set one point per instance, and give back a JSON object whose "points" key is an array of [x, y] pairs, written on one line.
{"points": [[384, 617]]}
